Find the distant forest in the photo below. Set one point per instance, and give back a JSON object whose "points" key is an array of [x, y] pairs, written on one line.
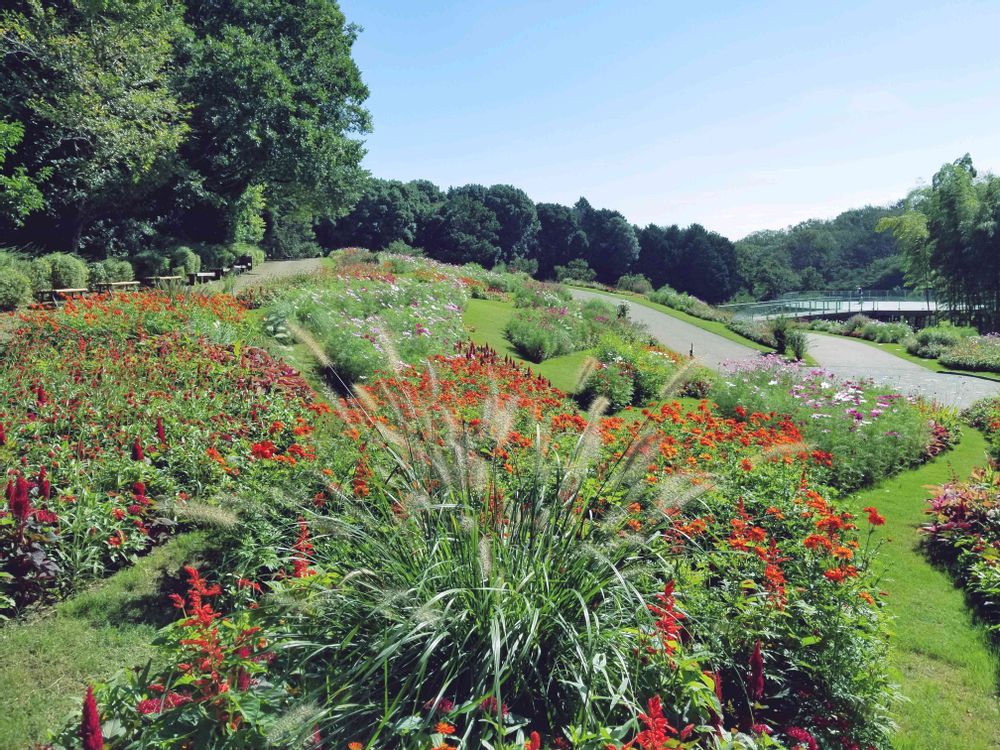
{"points": [[501, 224]]}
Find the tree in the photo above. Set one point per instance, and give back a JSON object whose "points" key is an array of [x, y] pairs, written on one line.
{"points": [[659, 254], [560, 238], [612, 246], [518, 220], [276, 99], [19, 192], [913, 238], [463, 230], [91, 84]]}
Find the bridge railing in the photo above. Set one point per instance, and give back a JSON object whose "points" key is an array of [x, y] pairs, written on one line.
{"points": [[801, 304]]}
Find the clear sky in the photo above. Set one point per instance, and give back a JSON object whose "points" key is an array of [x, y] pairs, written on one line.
{"points": [[736, 115]]}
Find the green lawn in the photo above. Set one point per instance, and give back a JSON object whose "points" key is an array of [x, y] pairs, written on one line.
{"points": [[46, 661], [942, 660], [931, 364], [485, 321]]}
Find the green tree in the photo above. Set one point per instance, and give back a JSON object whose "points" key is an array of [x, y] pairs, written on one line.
{"points": [[463, 230], [560, 238], [913, 238], [90, 81], [276, 99], [19, 192], [612, 246]]}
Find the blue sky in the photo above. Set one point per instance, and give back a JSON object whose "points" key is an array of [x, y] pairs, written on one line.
{"points": [[736, 115]]}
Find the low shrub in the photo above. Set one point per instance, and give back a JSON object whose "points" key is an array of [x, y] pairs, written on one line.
{"points": [[635, 282], [185, 260], [827, 326], [670, 297], [798, 341], [111, 270], [15, 289], [933, 341], [759, 331], [39, 271], [628, 372], [68, 271], [537, 338], [974, 353]]}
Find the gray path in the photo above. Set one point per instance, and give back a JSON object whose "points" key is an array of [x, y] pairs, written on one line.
{"points": [[852, 359], [841, 356], [709, 348], [274, 269]]}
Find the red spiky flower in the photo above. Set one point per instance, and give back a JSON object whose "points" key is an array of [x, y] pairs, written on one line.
{"points": [[90, 727], [756, 673], [137, 452]]}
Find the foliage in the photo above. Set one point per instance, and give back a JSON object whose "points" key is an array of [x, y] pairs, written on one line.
{"points": [[974, 353], [19, 192], [670, 297], [248, 221], [15, 288], [842, 253], [110, 270], [291, 236], [630, 372], [575, 270], [868, 431], [933, 341], [68, 271], [700, 262], [185, 259], [964, 535], [634, 283], [760, 331], [797, 340]]}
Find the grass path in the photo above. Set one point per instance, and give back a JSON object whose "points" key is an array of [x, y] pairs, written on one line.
{"points": [[46, 661], [939, 656]]}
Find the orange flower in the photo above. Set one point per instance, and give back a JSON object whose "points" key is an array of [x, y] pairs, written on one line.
{"points": [[443, 727], [873, 516]]}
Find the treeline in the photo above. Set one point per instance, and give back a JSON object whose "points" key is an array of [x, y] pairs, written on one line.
{"points": [[949, 235], [128, 129], [501, 224], [841, 253]]}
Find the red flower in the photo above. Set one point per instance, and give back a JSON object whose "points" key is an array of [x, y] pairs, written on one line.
{"points": [[3, 435], [534, 742], [161, 434], [18, 500], [44, 488], [90, 726], [756, 673], [137, 453], [873, 516], [264, 449], [801, 738]]}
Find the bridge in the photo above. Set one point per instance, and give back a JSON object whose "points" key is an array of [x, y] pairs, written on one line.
{"points": [[891, 304]]}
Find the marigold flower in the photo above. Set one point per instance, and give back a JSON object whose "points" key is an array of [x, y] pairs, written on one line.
{"points": [[443, 727]]}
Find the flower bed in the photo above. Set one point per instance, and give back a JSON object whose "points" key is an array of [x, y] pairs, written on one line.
{"points": [[869, 431], [115, 425], [974, 353], [964, 535], [486, 564]]}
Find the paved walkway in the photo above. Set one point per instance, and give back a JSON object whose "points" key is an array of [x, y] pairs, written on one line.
{"points": [[853, 359], [709, 348], [848, 359], [274, 269]]}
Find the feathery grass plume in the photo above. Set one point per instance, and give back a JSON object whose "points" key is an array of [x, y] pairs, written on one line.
{"points": [[205, 514], [396, 363], [678, 379], [485, 557], [296, 728], [586, 370], [678, 491]]}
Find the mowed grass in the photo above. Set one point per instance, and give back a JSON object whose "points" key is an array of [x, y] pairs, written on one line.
{"points": [[47, 660], [941, 658], [485, 321]]}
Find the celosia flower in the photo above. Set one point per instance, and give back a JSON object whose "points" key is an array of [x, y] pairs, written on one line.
{"points": [[800, 739], [756, 672], [137, 452], [534, 742], [90, 726]]}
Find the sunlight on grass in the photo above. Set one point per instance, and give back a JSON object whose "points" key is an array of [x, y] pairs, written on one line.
{"points": [[940, 657], [46, 663], [485, 321]]}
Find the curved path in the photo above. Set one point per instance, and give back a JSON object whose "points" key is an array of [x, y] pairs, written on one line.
{"points": [[709, 348], [841, 356], [274, 269]]}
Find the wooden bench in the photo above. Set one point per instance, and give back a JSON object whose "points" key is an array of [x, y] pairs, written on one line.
{"points": [[55, 296], [159, 282], [117, 286], [201, 278]]}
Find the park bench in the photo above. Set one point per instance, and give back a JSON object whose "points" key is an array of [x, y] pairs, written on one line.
{"points": [[159, 282], [201, 278], [117, 286], [52, 297]]}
